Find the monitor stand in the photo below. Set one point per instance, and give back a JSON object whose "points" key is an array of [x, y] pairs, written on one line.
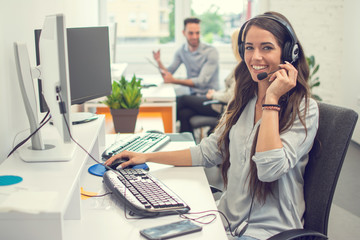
{"points": [[83, 117], [52, 148]]}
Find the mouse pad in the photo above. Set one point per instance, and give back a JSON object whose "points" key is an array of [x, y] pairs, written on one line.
{"points": [[99, 170], [7, 180]]}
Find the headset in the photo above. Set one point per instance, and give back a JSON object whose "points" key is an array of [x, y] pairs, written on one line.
{"points": [[290, 52]]}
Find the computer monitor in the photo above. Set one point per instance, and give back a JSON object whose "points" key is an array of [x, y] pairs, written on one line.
{"points": [[89, 63], [54, 72]]}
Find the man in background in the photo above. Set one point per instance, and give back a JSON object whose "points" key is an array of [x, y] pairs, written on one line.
{"points": [[201, 62]]}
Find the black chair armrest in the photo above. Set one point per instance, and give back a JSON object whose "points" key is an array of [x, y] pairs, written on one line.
{"points": [[297, 233]]}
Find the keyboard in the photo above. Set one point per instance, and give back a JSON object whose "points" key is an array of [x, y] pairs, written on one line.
{"points": [[146, 142], [143, 194]]}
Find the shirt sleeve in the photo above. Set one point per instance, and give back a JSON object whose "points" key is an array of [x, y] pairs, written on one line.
{"points": [[208, 70], [176, 62], [207, 153], [271, 165]]}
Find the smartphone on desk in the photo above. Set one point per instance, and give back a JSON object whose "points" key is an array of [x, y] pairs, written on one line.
{"points": [[170, 230]]}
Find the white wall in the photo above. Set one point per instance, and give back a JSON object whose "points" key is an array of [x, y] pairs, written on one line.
{"points": [[328, 29], [349, 83], [18, 19]]}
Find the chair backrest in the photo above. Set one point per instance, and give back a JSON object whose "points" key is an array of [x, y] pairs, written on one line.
{"points": [[198, 121], [336, 126]]}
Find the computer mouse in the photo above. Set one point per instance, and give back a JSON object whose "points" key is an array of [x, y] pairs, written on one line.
{"points": [[117, 162]]}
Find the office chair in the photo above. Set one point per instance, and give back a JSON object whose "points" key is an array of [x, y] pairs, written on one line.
{"points": [[336, 126], [200, 121]]}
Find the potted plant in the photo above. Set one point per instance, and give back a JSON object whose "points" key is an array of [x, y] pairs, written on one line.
{"points": [[313, 80], [124, 103]]}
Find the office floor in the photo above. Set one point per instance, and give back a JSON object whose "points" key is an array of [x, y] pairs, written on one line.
{"points": [[344, 222]]}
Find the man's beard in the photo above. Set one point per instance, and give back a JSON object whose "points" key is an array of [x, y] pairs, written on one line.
{"points": [[194, 44]]}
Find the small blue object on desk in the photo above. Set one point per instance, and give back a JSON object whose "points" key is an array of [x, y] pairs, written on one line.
{"points": [[99, 170], [7, 180]]}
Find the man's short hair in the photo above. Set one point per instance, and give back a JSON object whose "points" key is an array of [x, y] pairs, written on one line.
{"points": [[191, 20]]}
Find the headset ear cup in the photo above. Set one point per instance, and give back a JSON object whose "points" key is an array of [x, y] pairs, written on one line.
{"points": [[240, 41], [241, 51], [287, 52], [295, 52]]}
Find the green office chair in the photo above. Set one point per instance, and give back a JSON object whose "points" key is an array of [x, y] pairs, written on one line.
{"points": [[336, 126]]}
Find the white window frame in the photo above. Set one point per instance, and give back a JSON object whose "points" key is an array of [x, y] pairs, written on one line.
{"points": [[182, 11]]}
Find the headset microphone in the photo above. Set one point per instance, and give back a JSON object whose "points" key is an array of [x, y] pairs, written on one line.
{"points": [[264, 75]]}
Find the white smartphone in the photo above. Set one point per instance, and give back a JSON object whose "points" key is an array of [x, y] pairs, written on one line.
{"points": [[170, 230]]}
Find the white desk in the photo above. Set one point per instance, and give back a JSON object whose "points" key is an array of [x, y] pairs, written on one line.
{"points": [[58, 179], [161, 99], [98, 218], [103, 218]]}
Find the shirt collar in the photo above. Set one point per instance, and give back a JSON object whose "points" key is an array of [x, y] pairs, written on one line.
{"points": [[186, 47]]}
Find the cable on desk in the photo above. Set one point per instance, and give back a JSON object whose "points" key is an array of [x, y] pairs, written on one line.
{"points": [[226, 219], [196, 219], [207, 215], [45, 120], [71, 137]]}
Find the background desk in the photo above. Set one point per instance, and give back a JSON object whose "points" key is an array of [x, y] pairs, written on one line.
{"points": [[161, 99], [96, 218]]}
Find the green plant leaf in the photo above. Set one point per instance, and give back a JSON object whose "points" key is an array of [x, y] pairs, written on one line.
{"points": [[311, 61], [125, 94], [316, 84], [316, 97], [316, 69], [313, 81]]}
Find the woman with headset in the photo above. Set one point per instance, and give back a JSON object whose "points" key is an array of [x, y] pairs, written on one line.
{"points": [[264, 137]]}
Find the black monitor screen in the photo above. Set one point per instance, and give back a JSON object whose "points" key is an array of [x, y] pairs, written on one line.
{"points": [[89, 62]]}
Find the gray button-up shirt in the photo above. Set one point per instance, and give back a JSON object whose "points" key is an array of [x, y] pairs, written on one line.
{"points": [[202, 67], [281, 211]]}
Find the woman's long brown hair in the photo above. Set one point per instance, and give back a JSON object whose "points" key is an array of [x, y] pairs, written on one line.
{"points": [[246, 89]]}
